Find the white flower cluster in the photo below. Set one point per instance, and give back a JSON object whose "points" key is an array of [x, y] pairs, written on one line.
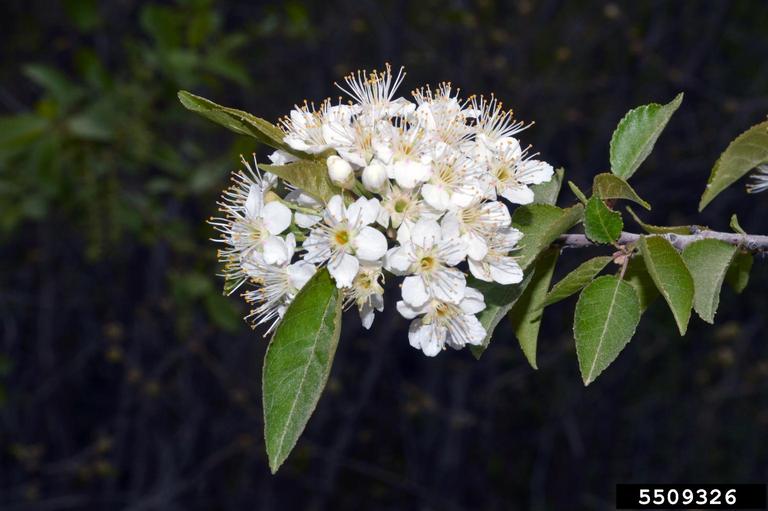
{"points": [[423, 186]]}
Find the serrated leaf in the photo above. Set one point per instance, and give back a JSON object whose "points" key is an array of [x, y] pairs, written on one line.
{"points": [[310, 176], [297, 364], [746, 152], [738, 273], [608, 186], [526, 314], [577, 192], [541, 224], [638, 277], [576, 280], [499, 300], [240, 122], [736, 226], [602, 224], [656, 229], [547, 193], [708, 262], [636, 134], [606, 317], [671, 276]]}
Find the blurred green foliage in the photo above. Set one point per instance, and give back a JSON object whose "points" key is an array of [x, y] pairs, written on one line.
{"points": [[105, 148]]}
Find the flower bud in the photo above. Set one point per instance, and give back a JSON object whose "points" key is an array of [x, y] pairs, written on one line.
{"points": [[374, 176], [340, 172]]}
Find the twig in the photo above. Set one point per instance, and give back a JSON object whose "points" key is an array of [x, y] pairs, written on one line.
{"points": [[750, 242]]}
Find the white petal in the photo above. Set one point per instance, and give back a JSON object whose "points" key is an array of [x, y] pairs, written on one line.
{"points": [[317, 246], [299, 273], [398, 260], [426, 233], [290, 241], [414, 291], [429, 338], [450, 227], [343, 269], [480, 270], [451, 251], [475, 244], [366, 315], [335, 209], [533, 172], [472, 330], [277, 217], [505, 270], [520, 194], [281, 158], [276, 251], [436, 196], [254, 202], [447, 284], [305, 221], [409, 312], [496, 213], [370, 244], [409, 173], [473, 301]]}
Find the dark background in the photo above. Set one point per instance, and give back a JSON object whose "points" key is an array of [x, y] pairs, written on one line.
{"points": [[128, 382]]}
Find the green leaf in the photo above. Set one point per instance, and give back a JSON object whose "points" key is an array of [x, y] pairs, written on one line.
{"points": [[657, 229], [577, 192], [576, 280], [56, 83], [297, 364], [606, 317], [310, 176], [547, 193], [708, 262], [608, 186], [541, 224], [736, 226], [746, 152], [738, 273], [527, 312], [239, 122], [499, 300], [671, 276], [602, 224], [638, 277], [636, 135]]}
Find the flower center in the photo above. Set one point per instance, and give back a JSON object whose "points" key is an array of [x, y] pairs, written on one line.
{"points": [[341, 237], [400, 205], [427, 263]]}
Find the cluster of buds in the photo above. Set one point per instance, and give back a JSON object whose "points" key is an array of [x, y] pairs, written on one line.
{"points": [[425, 188]]}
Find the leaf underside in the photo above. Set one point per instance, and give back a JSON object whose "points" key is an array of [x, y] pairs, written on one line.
{"points": [[608, 186]]}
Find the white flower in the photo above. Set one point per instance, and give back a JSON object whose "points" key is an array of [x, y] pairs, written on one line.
{"points": [[304, 128], [249, 222], [427, 258], [345, 238], [281, 158], [510, 173], [366, 292], [404, 149], [352, 138], [453, 182], [374, 176], [443, 323], [277, 283], [475, 224], [497, 265], [340, 172], [759, 180], [443, 115], [374, 92]]}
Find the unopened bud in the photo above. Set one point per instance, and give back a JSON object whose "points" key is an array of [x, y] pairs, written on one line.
{"points": [[340, 172], [374, 176]]}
